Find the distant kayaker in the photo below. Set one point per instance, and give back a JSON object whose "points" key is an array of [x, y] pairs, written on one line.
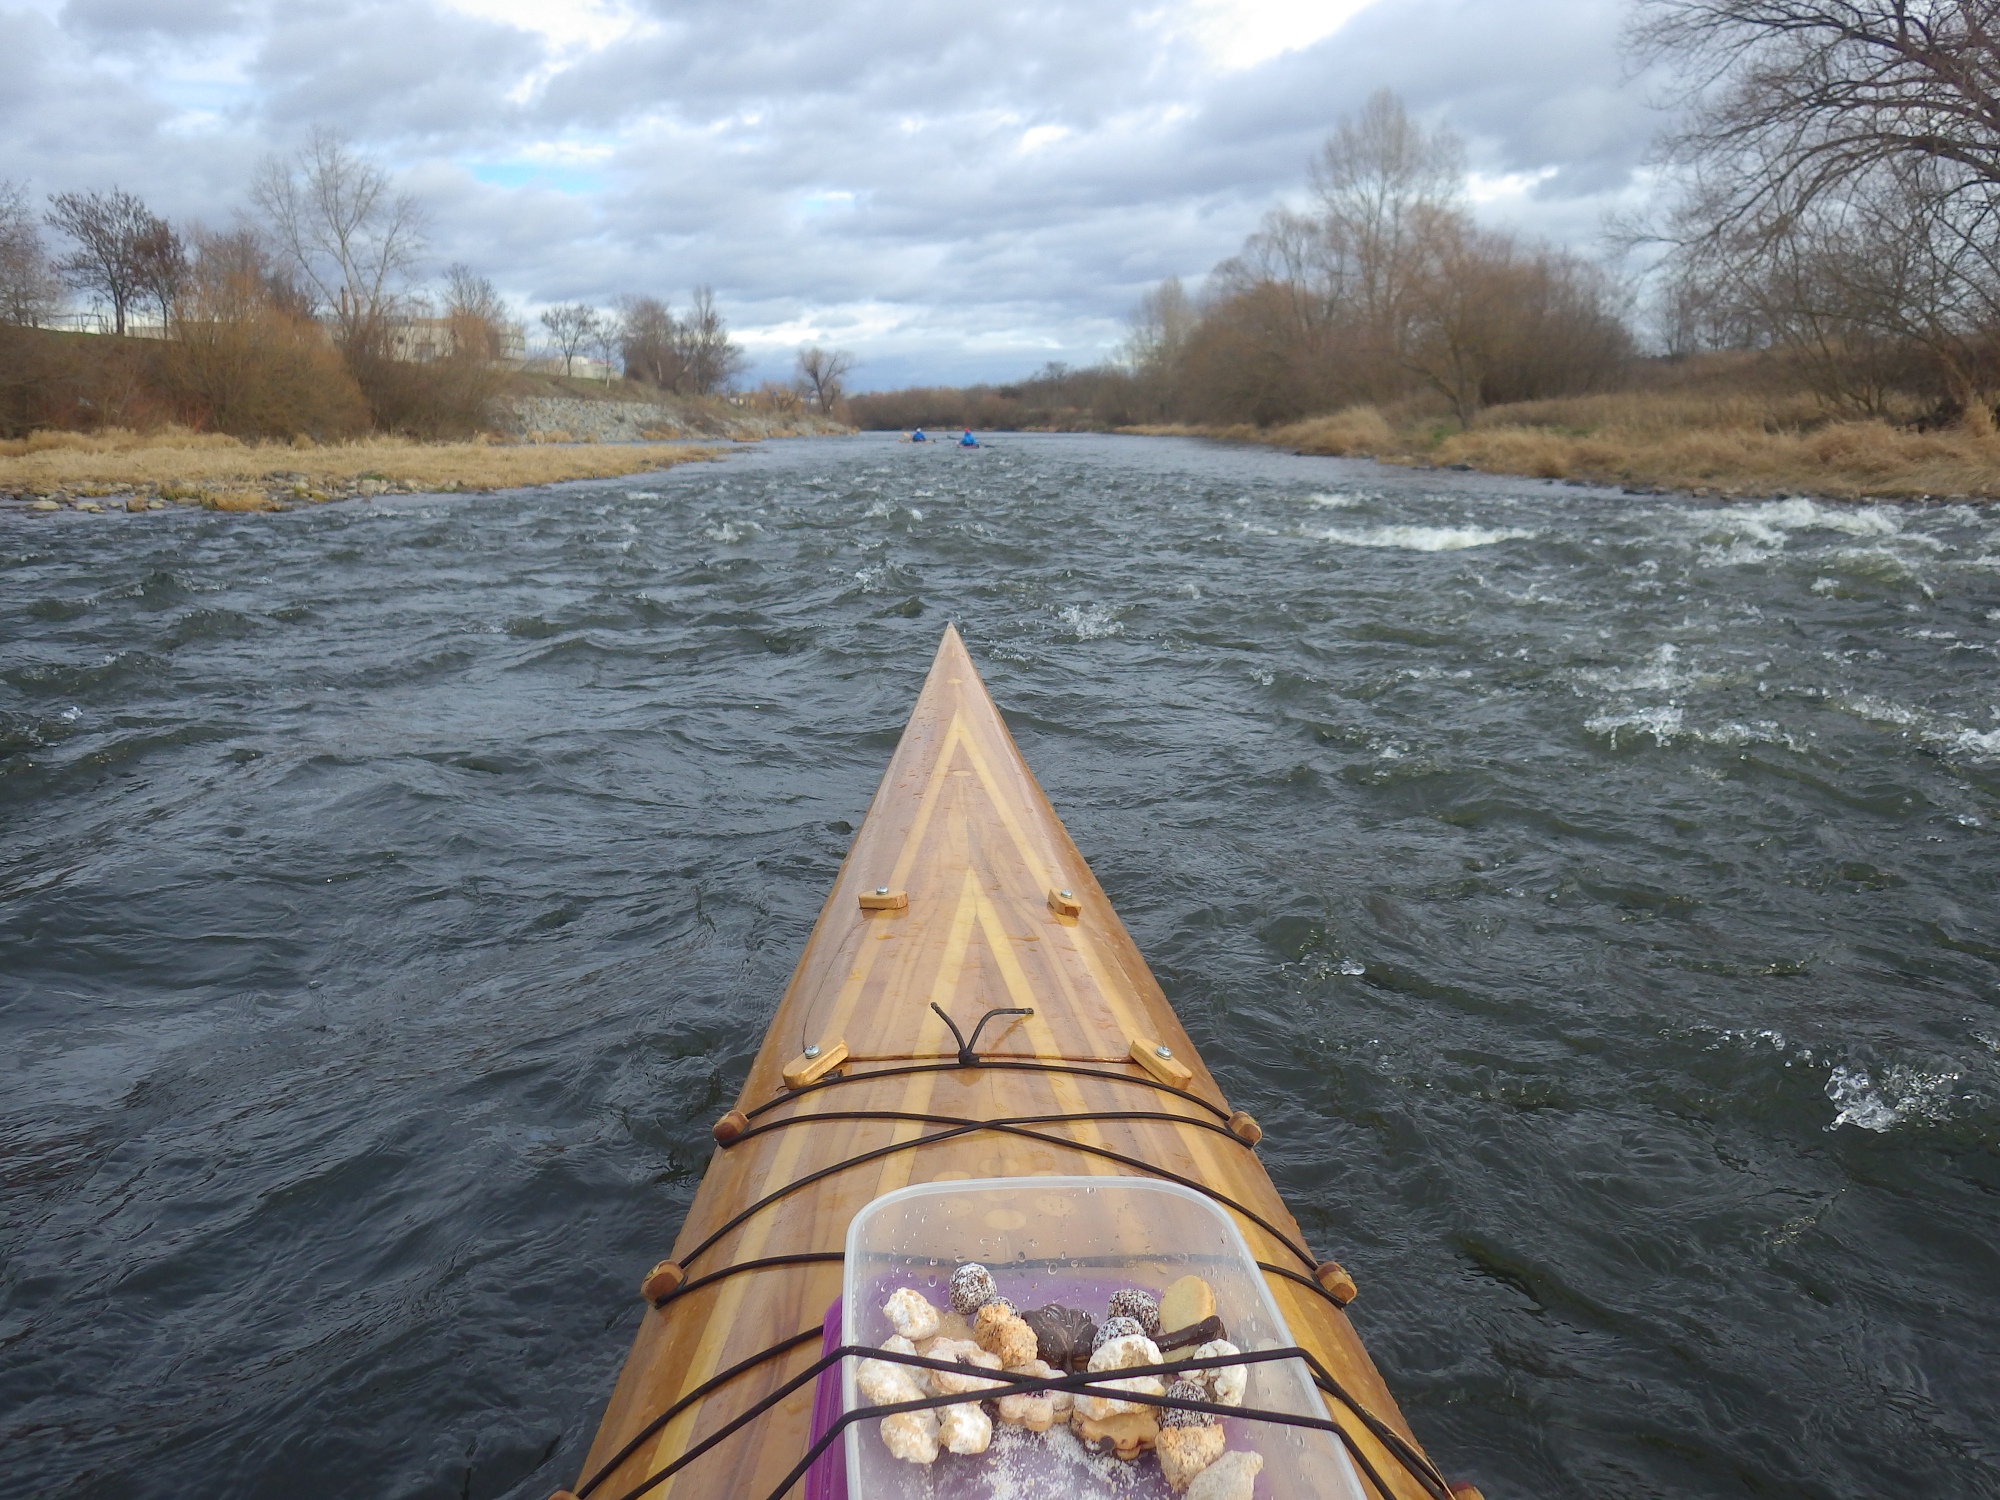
{"points": [[968, 441], [918, 436]]}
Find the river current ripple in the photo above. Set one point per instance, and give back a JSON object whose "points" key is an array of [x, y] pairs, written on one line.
{"points": [[1594, 896]]}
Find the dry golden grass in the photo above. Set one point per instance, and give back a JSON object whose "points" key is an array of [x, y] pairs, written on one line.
{"points": [[1725, 442], [1358, 430], [229, 474]]}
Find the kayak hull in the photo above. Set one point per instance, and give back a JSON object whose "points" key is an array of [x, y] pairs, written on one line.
{"points": [[961, 891]]}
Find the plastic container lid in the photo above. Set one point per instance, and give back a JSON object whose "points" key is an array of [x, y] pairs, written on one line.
{"points": [[1074, 1241]]}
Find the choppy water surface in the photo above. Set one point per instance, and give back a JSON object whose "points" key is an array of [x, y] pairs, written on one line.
{"points": [[1594, 896]]}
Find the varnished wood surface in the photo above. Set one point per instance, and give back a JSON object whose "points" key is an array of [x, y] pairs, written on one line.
{"points": [[961, 826]]}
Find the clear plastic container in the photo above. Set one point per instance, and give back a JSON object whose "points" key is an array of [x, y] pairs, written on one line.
{"points": [[1074, 1241]]}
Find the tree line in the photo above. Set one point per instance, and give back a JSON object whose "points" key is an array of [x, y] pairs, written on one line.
{"points": [[310, 315], [1831, 214], [1380, 289], [1829, 222]]}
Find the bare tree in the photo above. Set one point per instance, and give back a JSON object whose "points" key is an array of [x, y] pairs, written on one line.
{"points": [[572, 327], [475, 315], [711, 360], [1382, 182], [1840, 168], [29, 290], [1384, 289], [1492, 319], [605, 343], [246, 357], [1160, 326], [120, 245], [1461, 306], [163, 267], [1321, 301], [1802, 95], [1156, 346], [649, 343], [823, 375], [354, 240]]}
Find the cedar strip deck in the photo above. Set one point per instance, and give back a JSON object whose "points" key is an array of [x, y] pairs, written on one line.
{"points": [[960, 824]]}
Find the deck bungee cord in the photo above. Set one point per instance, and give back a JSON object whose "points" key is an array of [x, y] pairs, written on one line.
{"points": [[1413, 1462], [1017, 1064], [961, 1126]]}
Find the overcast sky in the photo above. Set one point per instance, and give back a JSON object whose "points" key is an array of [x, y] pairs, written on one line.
{"points": [[953, 191]]}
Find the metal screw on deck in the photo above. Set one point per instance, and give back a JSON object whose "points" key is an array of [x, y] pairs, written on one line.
{"points": [[1163, 1050], [812, 1052]]}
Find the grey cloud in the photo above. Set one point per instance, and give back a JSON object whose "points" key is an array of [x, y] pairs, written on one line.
{"points": [[708, 137], [391, 69], [149, 19]]}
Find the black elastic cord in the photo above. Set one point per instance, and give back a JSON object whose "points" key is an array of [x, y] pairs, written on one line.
{"points": [[803, 1257], [968, 1051], [1422, 1471], [1021, 1065], [1399, 1447], [768, 1199], [1305, 1281], [706, 1388], [995, 1388], [914, 1117], [969, 1127], [812, 1257]]}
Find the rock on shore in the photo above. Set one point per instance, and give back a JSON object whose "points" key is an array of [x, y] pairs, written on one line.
{"points": [[577, 419]]}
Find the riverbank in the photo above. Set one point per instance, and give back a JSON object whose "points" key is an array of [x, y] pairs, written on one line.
{"points": [[577, 411], [1722, 445], [53, 471]]}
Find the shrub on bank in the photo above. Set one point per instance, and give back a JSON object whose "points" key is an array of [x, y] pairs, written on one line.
{"points": [[1731, 440]]}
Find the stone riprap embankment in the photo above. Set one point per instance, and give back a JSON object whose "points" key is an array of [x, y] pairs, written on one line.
{"points": [[278, 490], [575, 419]]}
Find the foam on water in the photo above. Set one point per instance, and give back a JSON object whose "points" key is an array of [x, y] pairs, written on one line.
{"points": [[1089, 622], [1423, 538], [1900, 1094], [1940, 731], [1771, 520], [1661, 673], [1665, 724]]}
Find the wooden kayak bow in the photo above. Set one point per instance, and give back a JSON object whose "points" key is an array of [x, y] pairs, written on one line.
{"points": [[961, 899]]}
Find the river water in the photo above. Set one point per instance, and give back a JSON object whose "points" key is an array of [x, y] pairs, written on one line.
{"points": [[1594, 896]]}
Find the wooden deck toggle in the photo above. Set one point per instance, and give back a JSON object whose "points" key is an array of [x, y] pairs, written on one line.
{"points": [[1157, 1058], [814, 1064], [884, 899], [1335, 1282], [663, 1279]]}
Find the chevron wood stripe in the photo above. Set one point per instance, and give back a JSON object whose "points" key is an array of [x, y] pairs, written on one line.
{"points": [[960, 824]]}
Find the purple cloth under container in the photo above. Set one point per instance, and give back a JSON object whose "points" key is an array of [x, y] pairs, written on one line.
{"points": [[827, 1478]]}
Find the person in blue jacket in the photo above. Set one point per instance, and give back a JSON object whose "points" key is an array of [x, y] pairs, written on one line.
{"points": [[968, 441], [918, 436]]}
